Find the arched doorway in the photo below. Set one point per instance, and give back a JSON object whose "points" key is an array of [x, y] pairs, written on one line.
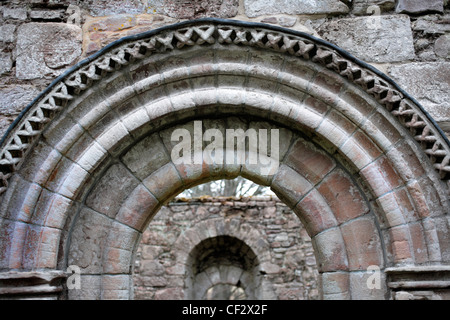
{"points": [[88, 164]]}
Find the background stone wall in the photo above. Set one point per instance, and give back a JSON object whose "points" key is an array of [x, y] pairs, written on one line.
{"points": [[406, 39], [290, 271]]}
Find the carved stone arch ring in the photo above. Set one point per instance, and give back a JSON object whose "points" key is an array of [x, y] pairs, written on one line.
{"points": [[86, 165]]}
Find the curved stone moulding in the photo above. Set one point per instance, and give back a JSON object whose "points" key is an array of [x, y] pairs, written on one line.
{"points": [[87, 165], [25, 132]]}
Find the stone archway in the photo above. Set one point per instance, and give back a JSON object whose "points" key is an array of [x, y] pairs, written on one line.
{"points": [[87, 165]]}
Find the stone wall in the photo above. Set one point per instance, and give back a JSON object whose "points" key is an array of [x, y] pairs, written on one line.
{"points": [[286, 265], [406, 39]]}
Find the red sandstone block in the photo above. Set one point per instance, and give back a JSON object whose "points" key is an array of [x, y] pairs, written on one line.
{"points": [[363, 243], [425, 197], [335, 285], [378, 123], [360, 150], [164, 183], [112, 190], [331, 251], [121, 236], [353, 97], [406, 161], [419, 244], [400, 240], [309, 161], [329, 81], [140, 206], [398, 208], [381, 176], [117, 261], [41, 247], [315, 213], [58, 212], [116, 282], [290, 186], [343, 196], [336, 129], [316, 105], [11, 243]]}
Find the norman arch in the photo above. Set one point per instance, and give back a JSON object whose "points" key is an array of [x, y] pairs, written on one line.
{"points": [[87, 164]]}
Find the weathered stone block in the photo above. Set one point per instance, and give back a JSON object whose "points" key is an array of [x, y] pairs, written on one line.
{"points": [[431, 25], [14, 99], [291, 185], [419, 6], [54, 15], [375, 39], [363, 243], [335, 285], [5, 62], [442, 46], [145, 149], [85, 250], [312, 163], [136, 209], [113, 7], [114, 23], [369, 7], [7, 33], [195, 9], [429, 83], [15, 13], [45, 49], [254, 8], [343, 196], [315, 213], [109, 194], [331, 251]]}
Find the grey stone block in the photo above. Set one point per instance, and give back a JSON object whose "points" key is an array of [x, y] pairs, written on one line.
{"points": [[419, 6], [5, 62], [429, 83], [373, 39], [254, 8], [44, 49], [7, 33], [363, 7]]}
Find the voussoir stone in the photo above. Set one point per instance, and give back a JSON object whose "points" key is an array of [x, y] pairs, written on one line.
{"points": [[254, 8], [45, 49], [373, 39]]}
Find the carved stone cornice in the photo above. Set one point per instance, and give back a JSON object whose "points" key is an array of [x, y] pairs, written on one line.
{"points": [[424, 282], [31, 285]]}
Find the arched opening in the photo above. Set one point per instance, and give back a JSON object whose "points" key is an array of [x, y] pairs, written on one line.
{"points": [[216, 258], [89, 163], [223, 268]]}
